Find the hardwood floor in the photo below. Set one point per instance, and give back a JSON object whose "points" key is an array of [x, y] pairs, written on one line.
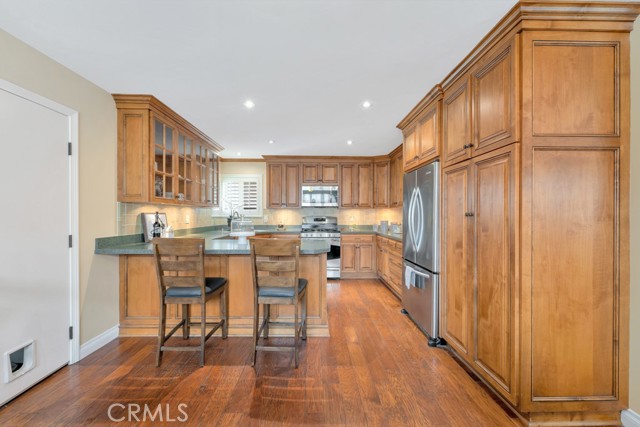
{"points": [[375, 370]]}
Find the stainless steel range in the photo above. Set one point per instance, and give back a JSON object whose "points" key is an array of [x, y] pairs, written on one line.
{"points": [[324, 228]]}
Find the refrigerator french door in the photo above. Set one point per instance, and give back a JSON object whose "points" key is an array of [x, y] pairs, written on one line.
{"points": [[420, 288]]}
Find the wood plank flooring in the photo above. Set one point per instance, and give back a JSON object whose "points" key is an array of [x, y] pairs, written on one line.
{"points": [[375, 370]]}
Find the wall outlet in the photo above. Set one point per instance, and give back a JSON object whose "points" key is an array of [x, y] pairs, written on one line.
{"points": [[265, 219], [187, 219]]}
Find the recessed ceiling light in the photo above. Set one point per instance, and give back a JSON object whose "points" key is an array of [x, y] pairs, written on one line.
{"points": [[349, 142], [366, 104], [239, 153], [249, 104], [271, 141]]}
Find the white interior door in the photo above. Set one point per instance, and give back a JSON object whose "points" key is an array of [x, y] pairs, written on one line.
{"points": [[35, 273]]}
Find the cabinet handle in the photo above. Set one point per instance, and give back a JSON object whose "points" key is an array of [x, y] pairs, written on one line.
{"points": [[468, 214], [467, 146]]}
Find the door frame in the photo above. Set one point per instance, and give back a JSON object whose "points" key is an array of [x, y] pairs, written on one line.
{"points": [[74, 274]]}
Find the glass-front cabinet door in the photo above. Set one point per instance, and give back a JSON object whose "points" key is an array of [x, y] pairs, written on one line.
{"points": [[163, 148], [212, 178], [185, 168]]}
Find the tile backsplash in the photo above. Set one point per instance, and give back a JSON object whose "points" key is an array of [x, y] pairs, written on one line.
{"points": [[181, 217]]}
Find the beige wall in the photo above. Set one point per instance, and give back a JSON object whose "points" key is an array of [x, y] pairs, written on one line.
{"points": [[634, 356], [26, 67]]}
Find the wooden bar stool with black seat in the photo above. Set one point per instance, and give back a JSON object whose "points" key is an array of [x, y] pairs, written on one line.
{"points": [[182, 281], [276, 280]]}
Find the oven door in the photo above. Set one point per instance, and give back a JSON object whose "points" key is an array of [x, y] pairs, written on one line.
{"points": [[333, 256]]}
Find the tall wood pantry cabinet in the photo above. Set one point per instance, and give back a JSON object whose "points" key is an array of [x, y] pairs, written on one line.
{"points": [[535, 211]]}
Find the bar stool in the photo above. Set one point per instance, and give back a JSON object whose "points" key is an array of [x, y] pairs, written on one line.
{"points": [[276, 280], [181, 281]]}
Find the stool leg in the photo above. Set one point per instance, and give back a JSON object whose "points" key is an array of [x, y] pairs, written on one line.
{"points": [[203, 331], [256, 316], [224, 315], [161, 328], [267, 315], [296, 330], [186, 314], [304, 316]]}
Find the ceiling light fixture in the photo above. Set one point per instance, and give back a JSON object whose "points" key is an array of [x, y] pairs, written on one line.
{"points": [[349, 142], [249, 104], [271, 141], [366, 104], [239, 154]]}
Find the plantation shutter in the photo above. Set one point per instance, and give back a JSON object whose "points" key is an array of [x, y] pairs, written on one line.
{"points": [[242, 193]]}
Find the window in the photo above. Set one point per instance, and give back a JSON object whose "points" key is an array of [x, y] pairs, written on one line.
{"points": [[241, 193]]}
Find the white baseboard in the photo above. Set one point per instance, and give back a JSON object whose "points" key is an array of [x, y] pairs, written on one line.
{"points": [[99, 341], [630, 418]]}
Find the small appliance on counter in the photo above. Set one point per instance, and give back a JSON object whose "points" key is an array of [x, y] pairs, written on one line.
{"points": [[242, 228], [421, 286]]}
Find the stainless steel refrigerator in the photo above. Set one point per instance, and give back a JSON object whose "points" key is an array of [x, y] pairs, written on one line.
{"points": [[420, 290]]}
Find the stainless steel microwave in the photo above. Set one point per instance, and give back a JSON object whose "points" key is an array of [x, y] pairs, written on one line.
{"points": [[324, 196]]}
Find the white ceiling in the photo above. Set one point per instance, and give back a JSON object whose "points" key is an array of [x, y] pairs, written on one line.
{"points": [[307, 64]]}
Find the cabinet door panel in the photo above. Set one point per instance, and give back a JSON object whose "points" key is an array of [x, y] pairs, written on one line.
{"points": [[348, 258], [381, 185], [309, 173], [365, 186], [427, 134], [494, 86], [292, 186], [346, 186], [456, 298], [329, 173], [575, 273], [456, 107], [366, 259], [410, 149], [133, 155], [275, 182], [494, 254], [561, 106]]}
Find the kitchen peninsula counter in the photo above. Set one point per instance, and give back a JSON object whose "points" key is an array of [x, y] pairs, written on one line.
{"points": [[224, 257]]}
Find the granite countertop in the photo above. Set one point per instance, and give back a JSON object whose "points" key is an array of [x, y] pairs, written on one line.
{"points": [[215, 244], [367, 229], [218, 243]]}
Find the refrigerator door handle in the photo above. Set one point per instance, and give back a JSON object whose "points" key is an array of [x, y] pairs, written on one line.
{"points": [[415, 219]]}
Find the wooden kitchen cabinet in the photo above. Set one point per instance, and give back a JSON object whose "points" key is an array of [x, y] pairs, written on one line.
{"points": [[423, 131], [389, 263], [356, 185], [381, 183], [357, 256], [320, 173], [397, 175], [535, 205], [156, 155], [478, 284], [456, 122], [283, 185], [496, 121]]}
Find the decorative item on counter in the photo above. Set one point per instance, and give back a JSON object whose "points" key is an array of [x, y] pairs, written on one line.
{"points": [[148, 221], [156, 230], [384, 226], [168, 231], [396, 228], [242, 228]]}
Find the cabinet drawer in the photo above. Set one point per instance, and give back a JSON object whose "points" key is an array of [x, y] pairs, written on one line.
{"points": [[357, 238]]}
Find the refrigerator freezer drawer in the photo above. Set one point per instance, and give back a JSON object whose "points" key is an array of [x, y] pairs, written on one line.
{"points": [[420, 298]]}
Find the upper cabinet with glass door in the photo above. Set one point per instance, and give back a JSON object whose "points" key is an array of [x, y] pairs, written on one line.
{"points": [[162, 158]]}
